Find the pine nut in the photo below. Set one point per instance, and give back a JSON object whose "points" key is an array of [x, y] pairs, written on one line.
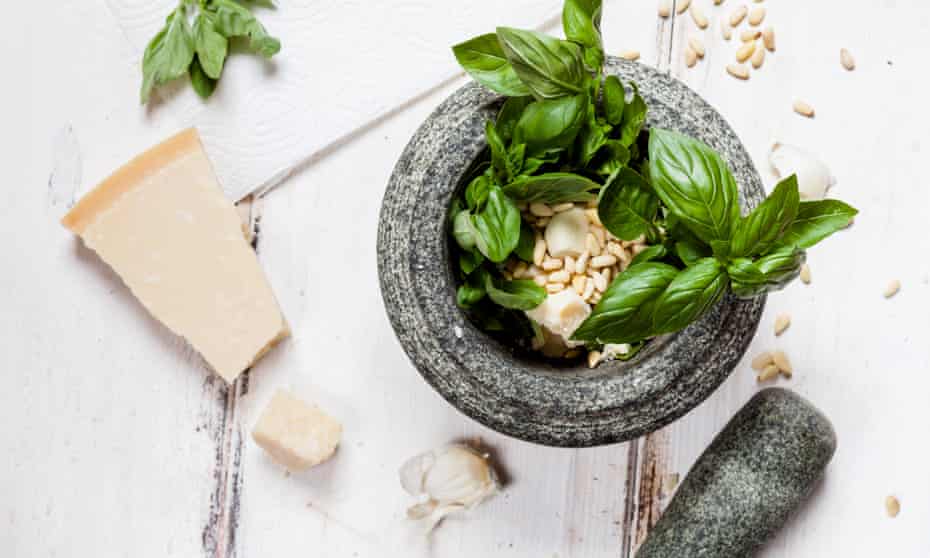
{"points": [[631, 55], [582, 264], [768, 37], [892, 288], [604, 260], [533, 271], [762, 360], [541, 210], [588, 289], [542, 222], [519, 272], [758, 57], [596, 298], [553, 288], [616, 250], [606, 274], [579, 283], [665, 8], [539, 250], [745, 52], [600, 235], [847, 60], [690, 57], [781, 361], [697, 14], [738, 71], [561, 276], [559, 208], [507, 275], [738, 15], [805, 274], [540, 280], [750, 35], [782, 321], [697, 46], [551, 264], [593, 217], [593, 246], [638, 248], [756, 15], [593, 358], [599, 282], [803, 108], [770, 372], [892, 506], [569, 263], [682, 6], [726, 30]]}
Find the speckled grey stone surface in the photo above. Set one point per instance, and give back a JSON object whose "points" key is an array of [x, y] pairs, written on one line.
{"points": [[746, 485], [525, 397]]}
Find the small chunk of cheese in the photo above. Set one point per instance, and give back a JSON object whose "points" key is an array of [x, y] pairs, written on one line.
{"points": [[566, 233], [163, 224], [296, 434], [561, 314]]}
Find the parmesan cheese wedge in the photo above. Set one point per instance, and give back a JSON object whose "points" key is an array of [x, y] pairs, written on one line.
{"points": [[163, 224]]}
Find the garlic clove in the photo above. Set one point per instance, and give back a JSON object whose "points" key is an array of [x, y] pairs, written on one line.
{"points": [[814, 178], [413, 472], [561, 314], [419, 511], [566, 233]]}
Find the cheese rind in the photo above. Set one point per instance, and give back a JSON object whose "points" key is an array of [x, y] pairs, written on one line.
{"points": [[296, 434], [164, 225]]}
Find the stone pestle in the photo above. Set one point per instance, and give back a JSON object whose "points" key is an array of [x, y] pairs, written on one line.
{"points": [[746, 485]]}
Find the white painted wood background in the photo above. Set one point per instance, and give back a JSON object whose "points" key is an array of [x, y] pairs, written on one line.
{"points": [[120, 443]]}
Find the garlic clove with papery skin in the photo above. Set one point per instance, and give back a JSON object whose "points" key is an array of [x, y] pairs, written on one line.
{"points": [[814, 178], [449, 479]]}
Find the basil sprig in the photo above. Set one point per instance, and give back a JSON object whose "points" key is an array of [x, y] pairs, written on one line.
{"points": [[200, 50]]}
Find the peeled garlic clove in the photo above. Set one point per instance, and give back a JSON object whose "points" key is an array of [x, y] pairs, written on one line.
{"points": [[814, 178], [561, 314], [566, 232], [413, 472]]}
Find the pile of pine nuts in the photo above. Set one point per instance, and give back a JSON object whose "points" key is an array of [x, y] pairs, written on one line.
{"points": [[590, 273]]}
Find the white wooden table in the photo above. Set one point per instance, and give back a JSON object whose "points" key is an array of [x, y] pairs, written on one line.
{"points": [[118, 442]]}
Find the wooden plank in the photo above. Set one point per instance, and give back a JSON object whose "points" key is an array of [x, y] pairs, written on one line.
{"points": [[857, 356]]}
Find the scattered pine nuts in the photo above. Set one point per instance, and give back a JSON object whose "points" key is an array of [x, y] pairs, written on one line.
{"points": [[561, 276], [665, 8], [782, 322], [682, 6], [697, 14], [758, 57], [892, 506], [745, 52], [738, 15], [847, 60], [697, 46], [616, 250], [582, 264], [803, 108], [760, 361], [553, 288], [600, 283], [593, 217], [593, 358], [738, 71], [805, 274], [542, 222], [578, 283], [690, 57], [520, 270], [539, 250], [750, 35], [605, 273], [541, 210], [551, 264], [588, 290], [562, 207], [604, 260], [631, 55], [600, 234], [569, 264], [780, 360], [540, 280], [770, 372], [892, 288], [768, 37], [726, 30], [592, 245], [756, 15]]}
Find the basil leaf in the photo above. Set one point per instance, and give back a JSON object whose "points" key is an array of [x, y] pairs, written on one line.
{"points": [[581, 20], [817, 220], [769, 273], [591, 138], [611, 158], [693, 291], [510, 114], [211, 46], [476, 193], [634, 117], [483, 58], [614, 100], [550, 67], [553, 187], [462, 231], [624, 314], [472, 291], [526, 244], [655, 252], [517, 295], [626, 205], [469, 261], [759, 230], [690, 252], [234, 20], [694, 183], [498, 150], [497, 226], [203, 84], [551, 124], [168, 55], [516, 155]]}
